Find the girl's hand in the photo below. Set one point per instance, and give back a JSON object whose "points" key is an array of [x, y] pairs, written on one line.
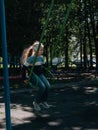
{"points": [[26, 81]]}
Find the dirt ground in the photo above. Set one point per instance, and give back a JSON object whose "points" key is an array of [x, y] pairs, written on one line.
{"points": [[74, 106]]}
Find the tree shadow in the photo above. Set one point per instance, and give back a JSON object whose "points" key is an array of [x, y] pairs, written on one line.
{"points": [[74, 107]]}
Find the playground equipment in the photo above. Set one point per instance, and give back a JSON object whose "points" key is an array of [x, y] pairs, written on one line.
{"points": [[5, 65], [42, 35]]}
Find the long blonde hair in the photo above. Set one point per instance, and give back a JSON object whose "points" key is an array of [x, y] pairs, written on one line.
{"points": [[29, 51]]}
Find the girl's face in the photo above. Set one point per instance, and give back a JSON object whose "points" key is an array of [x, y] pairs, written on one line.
{"points": [[40, 51]]}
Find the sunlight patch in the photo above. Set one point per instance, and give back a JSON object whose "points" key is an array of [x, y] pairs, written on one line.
{"points": [[55, 123], [76, 128]]}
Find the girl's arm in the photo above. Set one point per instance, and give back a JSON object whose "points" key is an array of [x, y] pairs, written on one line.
{"points": [[24, 73]]}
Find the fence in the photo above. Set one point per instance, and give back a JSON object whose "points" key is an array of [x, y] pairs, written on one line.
{"points": [[14, 66]]}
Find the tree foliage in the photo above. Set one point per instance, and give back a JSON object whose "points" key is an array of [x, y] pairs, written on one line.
{"points": [[26, 19]]}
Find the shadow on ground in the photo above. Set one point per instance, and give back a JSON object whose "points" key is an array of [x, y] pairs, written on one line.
{"points": [[73, 108]]}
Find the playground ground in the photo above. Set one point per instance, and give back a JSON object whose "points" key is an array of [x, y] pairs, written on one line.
{"points": [[74, 106]]}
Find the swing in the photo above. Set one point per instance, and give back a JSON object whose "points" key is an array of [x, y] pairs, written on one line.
{"points": [[42, 35]]}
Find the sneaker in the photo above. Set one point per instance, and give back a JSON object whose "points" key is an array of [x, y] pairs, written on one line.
{"points": [[36, 106], [45, 105]]}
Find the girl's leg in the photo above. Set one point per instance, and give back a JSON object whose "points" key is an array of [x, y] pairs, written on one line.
{"points": [[36, 80], [47, 87]]}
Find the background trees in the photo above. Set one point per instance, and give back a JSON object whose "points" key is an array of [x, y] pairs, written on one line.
{"points": [[25, 21]]}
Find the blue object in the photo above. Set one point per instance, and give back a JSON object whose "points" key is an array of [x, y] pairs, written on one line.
{"points": [[5, 65]]}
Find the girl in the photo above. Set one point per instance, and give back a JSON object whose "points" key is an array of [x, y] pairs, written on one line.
{"points": [[37, 77]]}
